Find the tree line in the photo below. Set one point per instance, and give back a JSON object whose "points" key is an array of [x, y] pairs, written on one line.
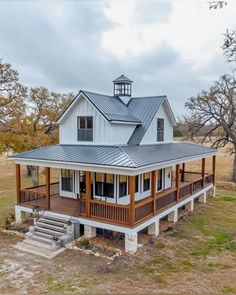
{"points": [[27, 115]]}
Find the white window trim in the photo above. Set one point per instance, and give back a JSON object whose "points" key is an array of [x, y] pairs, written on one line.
{"points": [[67, 194]]}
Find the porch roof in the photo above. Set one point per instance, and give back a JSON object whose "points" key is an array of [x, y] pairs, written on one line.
{"points": [[132, 157]]}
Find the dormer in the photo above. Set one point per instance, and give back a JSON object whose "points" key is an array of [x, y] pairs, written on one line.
{"points": [[123, 88]]}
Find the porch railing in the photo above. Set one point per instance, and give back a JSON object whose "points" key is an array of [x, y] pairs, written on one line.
{"points": [[37, 195], [109, 212], [116, 213]]}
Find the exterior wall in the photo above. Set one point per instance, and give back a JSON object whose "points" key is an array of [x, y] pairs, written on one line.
{"points": [[103, 132], [151, 133]]}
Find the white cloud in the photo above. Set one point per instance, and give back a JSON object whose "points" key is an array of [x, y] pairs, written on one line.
{"points": [[191, 29]]}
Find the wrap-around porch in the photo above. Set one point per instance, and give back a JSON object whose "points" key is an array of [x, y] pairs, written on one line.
{"points": [[47, 197]]}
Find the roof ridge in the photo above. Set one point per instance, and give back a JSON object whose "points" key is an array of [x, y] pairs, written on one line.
{"points": [[121, 148], [96, 93]]}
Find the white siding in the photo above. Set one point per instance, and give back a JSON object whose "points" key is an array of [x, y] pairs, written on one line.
{"points": [[103, 131], [151, 133]]}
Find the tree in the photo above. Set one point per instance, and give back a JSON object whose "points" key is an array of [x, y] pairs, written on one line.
{"points": [[229, 45], [35, 126], [27, 116], [12, 94], [216, 109], [217, 4]]}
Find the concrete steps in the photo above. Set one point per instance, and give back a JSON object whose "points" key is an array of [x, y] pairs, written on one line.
{"points": [[44, 238], [38, 249]]}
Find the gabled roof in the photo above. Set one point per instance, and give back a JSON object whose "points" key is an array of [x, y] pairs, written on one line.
{"points": [[145, 109], [112, 107], [139, 111], [121, 79], [133, 157]]}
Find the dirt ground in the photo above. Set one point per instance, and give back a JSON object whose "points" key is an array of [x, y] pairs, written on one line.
{"points": [[198, 256]]}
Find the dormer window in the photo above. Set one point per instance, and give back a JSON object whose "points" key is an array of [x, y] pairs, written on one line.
{"points": [[85, 128], [160, 129]]}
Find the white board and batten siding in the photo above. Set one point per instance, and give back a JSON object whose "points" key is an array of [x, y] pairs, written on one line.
{"points": [[104, 132], [151, 133]]}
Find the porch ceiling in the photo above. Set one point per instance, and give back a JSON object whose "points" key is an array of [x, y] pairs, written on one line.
{"points": [[133, 159]]}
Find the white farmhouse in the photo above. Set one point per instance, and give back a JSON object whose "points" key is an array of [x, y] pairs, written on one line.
{"points": [[120, 169]]}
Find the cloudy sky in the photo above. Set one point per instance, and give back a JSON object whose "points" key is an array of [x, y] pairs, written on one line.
{"points": [[167, 47]]}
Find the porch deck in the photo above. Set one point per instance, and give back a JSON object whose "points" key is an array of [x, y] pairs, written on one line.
{"points": [[113, 213]]}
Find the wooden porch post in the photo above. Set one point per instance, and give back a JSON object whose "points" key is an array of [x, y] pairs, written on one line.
{"points": [[87, 192], [203, 170], [214, 168], [183, 171], [47, 188], [18, 184], [177, 181], [153, 189], [132, 200]]}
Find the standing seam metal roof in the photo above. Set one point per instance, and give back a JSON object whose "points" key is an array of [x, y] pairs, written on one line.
{"points": [[145, 109], [116, 156]]}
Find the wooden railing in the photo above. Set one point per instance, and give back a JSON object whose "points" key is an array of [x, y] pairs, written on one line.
{"points": [[37, 194], [209, 178], [82, 207], [164, 199], [116, 213], [143, 209], [109, 212], [185, 190]]}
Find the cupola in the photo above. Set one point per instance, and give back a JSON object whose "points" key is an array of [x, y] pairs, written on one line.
{"points": [[123, 88]]}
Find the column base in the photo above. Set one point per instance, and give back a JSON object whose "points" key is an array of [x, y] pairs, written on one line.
{"points": [[202, 198], [190, 206], [90, 231], [131, 242], [20, 216], [173, 216], [154, 228]]}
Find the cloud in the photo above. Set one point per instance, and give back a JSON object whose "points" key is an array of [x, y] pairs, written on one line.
{"points": [[166, 47]]}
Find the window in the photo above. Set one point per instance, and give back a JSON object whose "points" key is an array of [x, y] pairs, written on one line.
{"points": [[160, 180], [146, 181], [136, 183], [85, 128], [122, 186], [67, 177], [82, 184], [160, 129], [104, 185], [122, 89]]}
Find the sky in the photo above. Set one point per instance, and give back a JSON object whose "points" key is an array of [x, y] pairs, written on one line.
{"points": [[170, 47]]}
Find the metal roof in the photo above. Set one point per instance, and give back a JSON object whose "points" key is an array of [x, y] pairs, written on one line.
{"points": [[143, 108], [139, 110], [112, 107], [121, 79], [116, 156]]}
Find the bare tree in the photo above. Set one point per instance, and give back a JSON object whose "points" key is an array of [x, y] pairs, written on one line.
{"points": [[216, 109], [229, 45], [217, 4]]}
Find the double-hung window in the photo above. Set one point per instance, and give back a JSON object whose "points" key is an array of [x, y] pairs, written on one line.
{"points": [[146, 181], [67, 178], [85, 128], [160, 180], [123, 185], [160, 129], [104, 185]]}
